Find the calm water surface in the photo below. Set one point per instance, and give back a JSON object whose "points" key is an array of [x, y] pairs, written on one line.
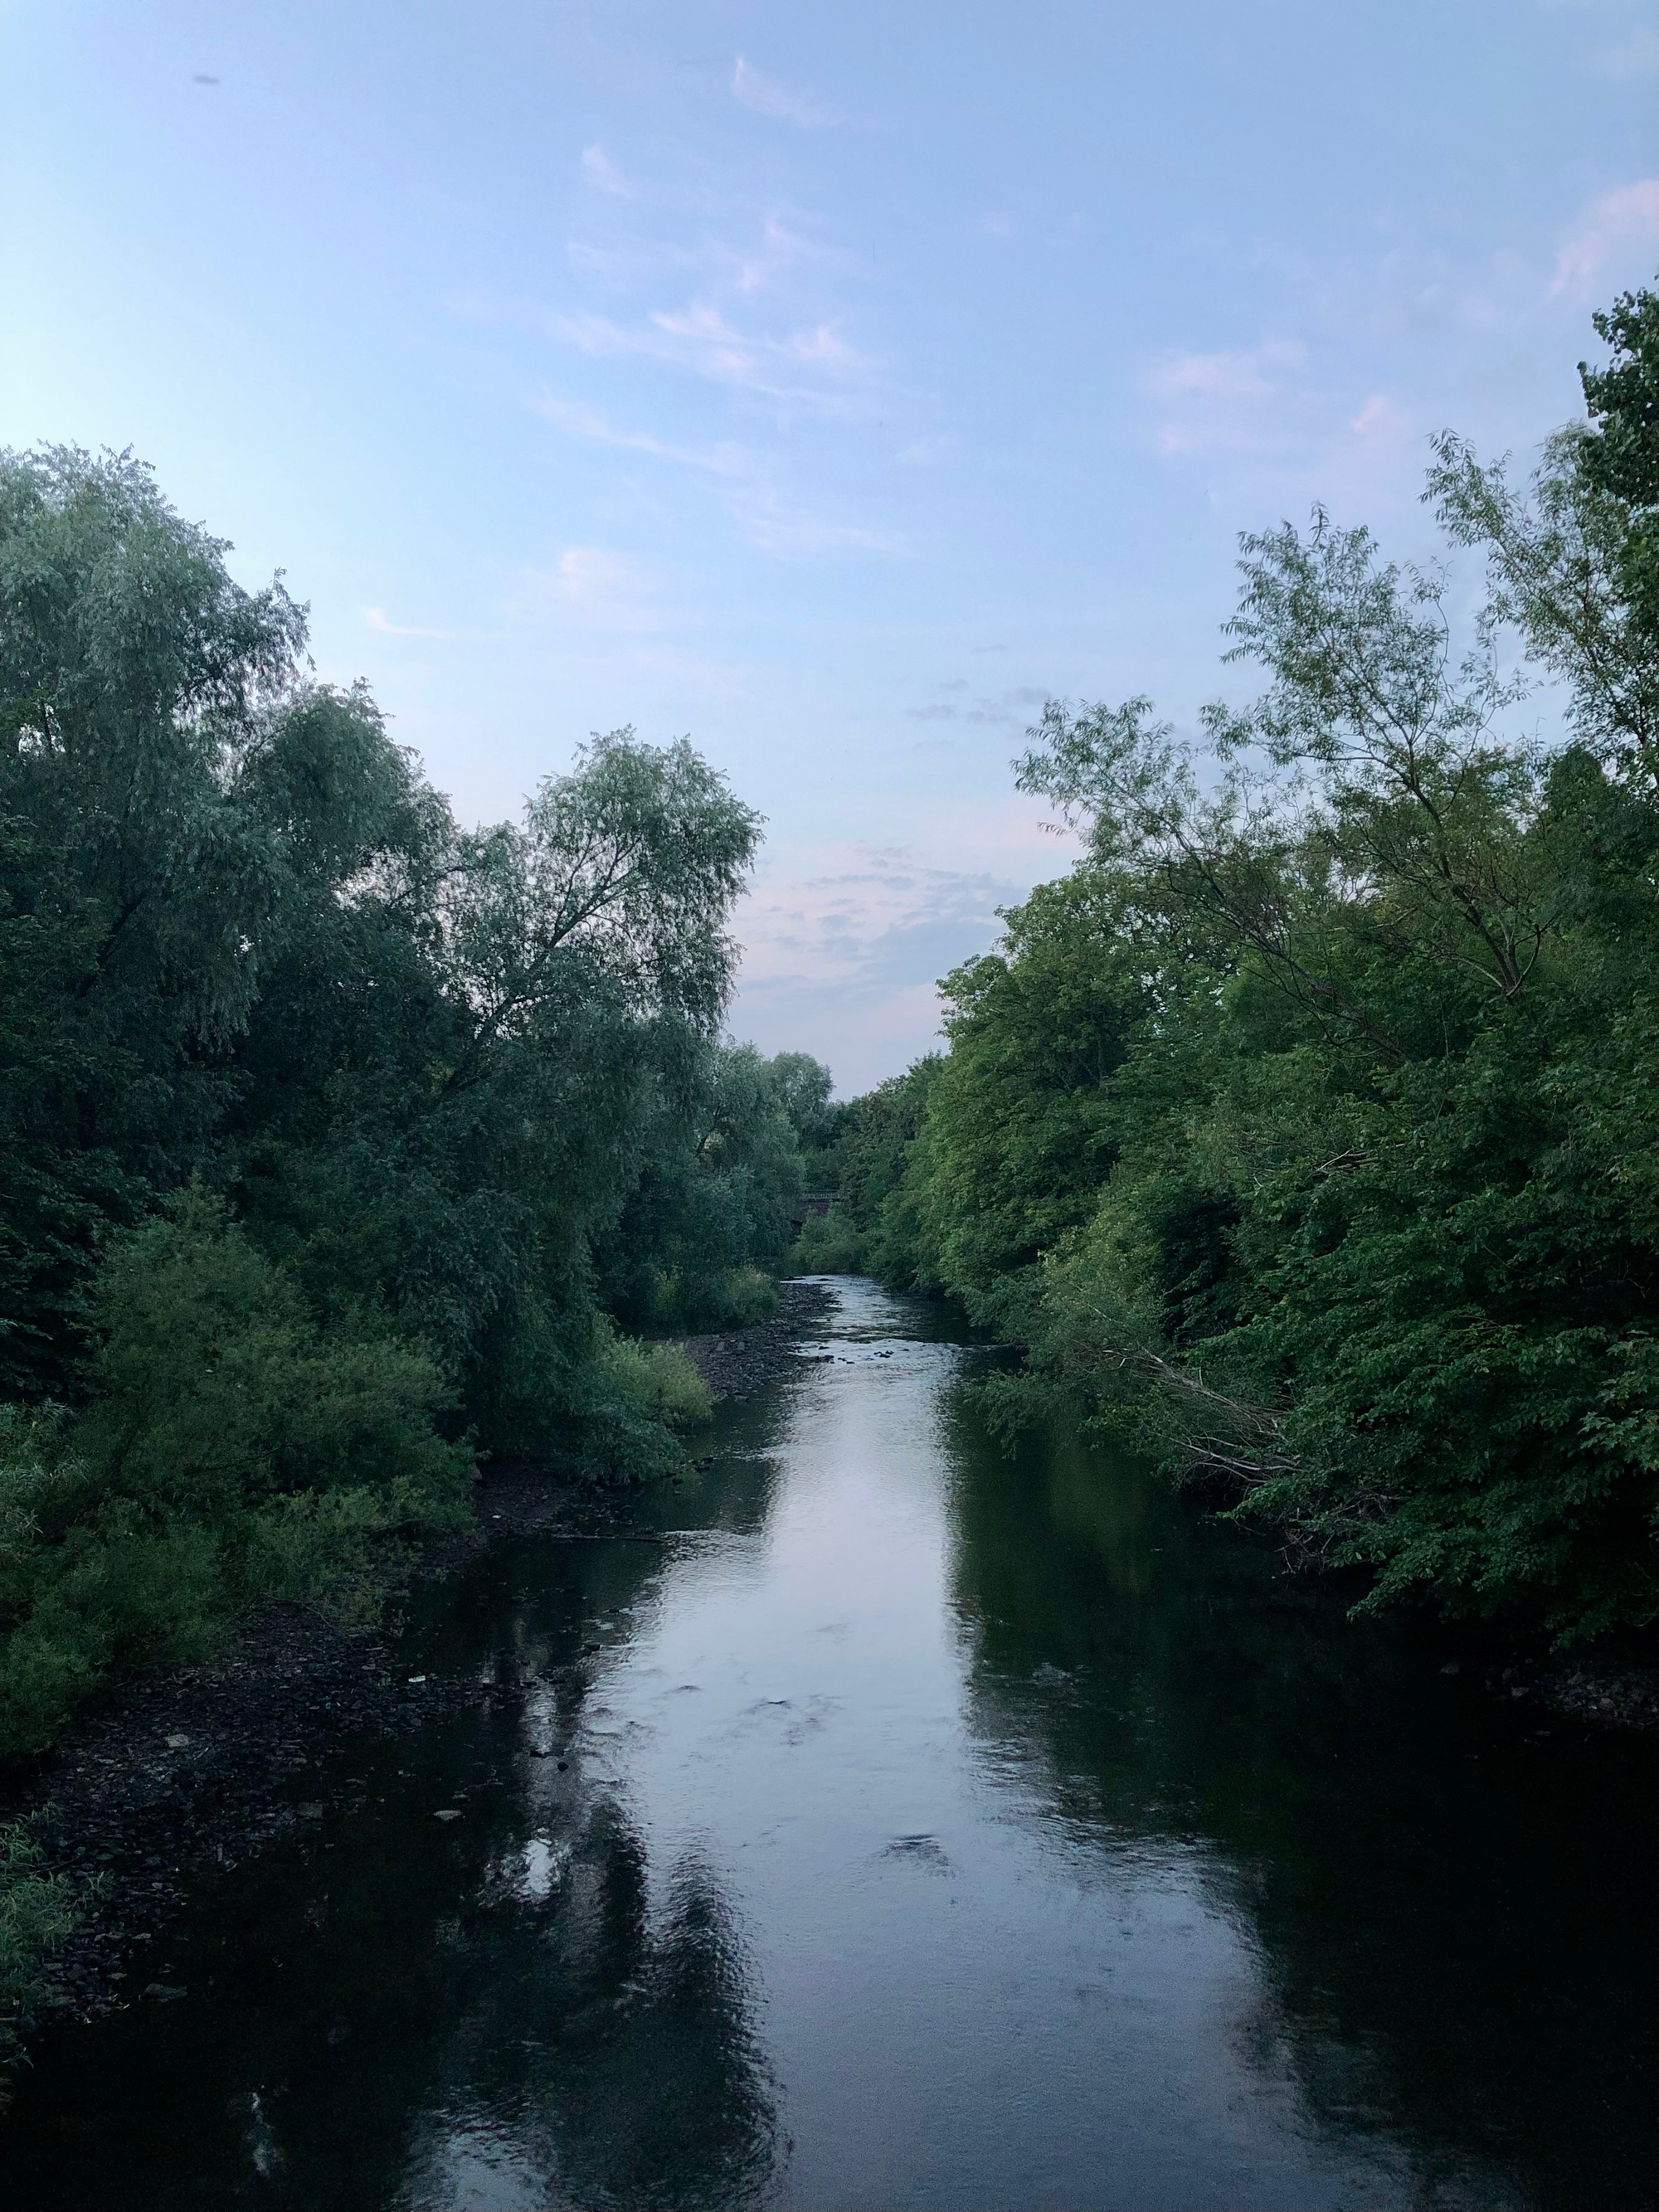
{"points": [[928, 1829]]}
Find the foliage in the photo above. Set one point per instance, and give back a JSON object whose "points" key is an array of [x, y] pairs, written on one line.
{"points": [[211, 1383], [1016, 1133], [229, 1448], [661, 1381], [876, 1195], [1618, 458], [827, 1244], [36, 1916], [335, 1137], [708, 1223], [1307, 1127]]}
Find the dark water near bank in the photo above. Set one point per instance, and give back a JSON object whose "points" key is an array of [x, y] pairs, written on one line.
{"points": [[932, 1831]]}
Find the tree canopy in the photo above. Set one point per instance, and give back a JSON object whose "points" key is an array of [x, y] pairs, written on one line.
{"points": [[336, 1138]]}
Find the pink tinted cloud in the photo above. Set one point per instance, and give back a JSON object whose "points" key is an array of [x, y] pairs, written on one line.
{"points": [[1626, 216]]}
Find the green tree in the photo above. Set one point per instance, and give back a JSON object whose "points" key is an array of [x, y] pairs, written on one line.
{"points": [[1358, 1216], [321, 1117], [1019, 1131]]}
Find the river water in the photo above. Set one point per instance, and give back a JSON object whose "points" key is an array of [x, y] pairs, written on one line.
{"points": [[917, 1827]]}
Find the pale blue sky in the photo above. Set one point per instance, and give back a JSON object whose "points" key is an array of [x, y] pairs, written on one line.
{"points": [[831, 383]]}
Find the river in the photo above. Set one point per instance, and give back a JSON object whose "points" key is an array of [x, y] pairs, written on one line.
{"points": [[907, 1824]]}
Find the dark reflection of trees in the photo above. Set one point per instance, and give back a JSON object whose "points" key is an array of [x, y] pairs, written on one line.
{"points": [[624, 2052], [607, 2051], [1457, 1916], [522, 1983]]}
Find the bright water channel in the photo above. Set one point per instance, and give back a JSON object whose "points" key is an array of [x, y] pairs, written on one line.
{"points": [[933, 1829]]}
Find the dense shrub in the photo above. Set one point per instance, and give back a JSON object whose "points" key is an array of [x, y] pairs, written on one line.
{"points": [[229, 1448]]}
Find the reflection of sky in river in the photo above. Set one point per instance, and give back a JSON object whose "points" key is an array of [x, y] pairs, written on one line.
{"points": [[964, 1997]]}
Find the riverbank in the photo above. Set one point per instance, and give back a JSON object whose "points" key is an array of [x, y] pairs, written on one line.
{"points": [[526, 1497], [187, 1774], [739, 1361], [1608, 1694]]}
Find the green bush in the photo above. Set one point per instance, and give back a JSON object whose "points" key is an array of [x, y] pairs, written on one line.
{"points": [[213, 1386], [698, 1304], [635, 1395], [231, 1451], [742, 1298], [34, 1917], [658, 1381]]}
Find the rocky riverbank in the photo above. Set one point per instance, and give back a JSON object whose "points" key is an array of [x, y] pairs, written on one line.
{"points": [[742, 1360], [189, 1773], [1604, 1694]]}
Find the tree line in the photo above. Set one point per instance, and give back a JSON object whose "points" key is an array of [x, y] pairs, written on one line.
{"points": [[1307, 1131], [339, 1142]]}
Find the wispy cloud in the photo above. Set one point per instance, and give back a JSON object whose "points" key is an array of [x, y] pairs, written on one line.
{"points": [[865, 913], [1253, 373], [1636, 56], [1278, 424], [923, 453], [766, 98], [1624, 217], [1222, 402], [790, 530], [376, 618], [595, 590], [764, 322], [721, 460], [1283, 421], [778, 251], [813, 368], [602, 173], [1381, 420], [766, 514], [760, 263], [844, 943]]}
